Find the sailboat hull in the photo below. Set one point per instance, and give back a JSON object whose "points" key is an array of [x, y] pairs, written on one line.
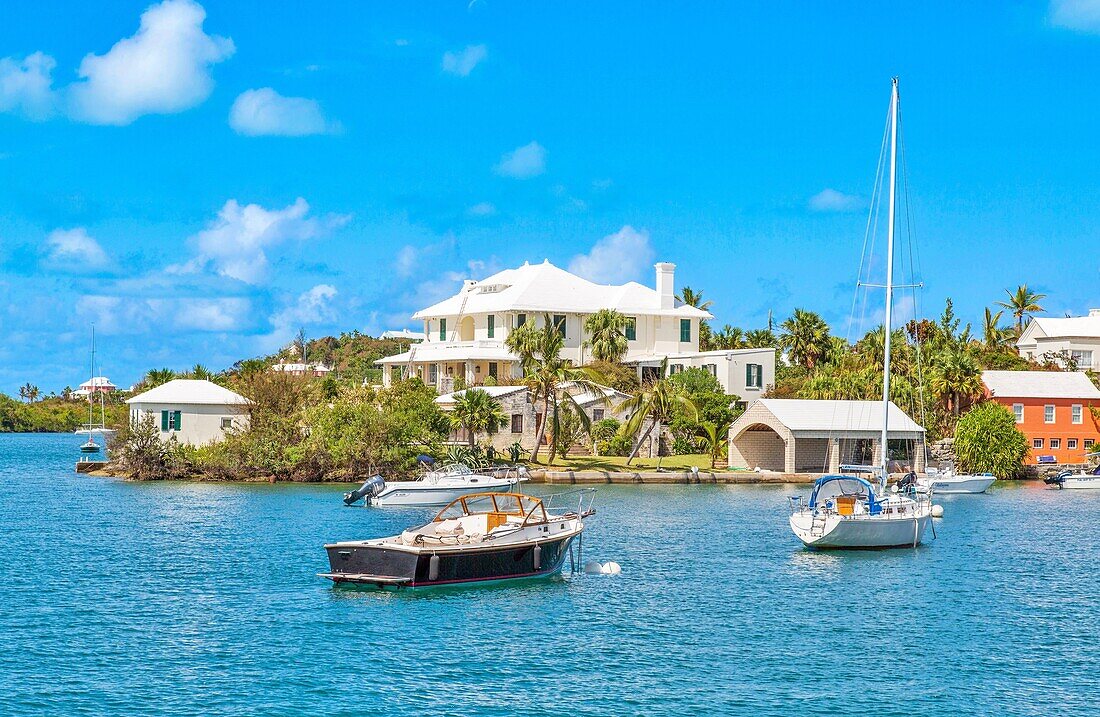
{"points": [[835, 532]]}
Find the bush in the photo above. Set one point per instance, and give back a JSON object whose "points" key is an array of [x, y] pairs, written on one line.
{"points": [[616, 375], [144, 456], [987, 440]]}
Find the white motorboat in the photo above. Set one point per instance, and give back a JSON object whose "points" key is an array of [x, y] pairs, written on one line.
{"points": [[947, 482], [848, 511], [1068, 480], [438, 487]]}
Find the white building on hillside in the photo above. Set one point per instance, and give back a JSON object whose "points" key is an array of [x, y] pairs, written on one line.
{"points": [[413, 336], [466, 333], [1078, 337], [195, 412], [97, 384], [317, 370]]}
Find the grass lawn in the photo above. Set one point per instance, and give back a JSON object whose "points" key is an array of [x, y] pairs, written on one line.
{"points": [[618, 463]]}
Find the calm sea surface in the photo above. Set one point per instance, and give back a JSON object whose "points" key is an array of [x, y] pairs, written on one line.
{"points": [[188, 599]]}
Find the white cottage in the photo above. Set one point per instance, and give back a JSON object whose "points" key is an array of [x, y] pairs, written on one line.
{"points": [[195, 412]]}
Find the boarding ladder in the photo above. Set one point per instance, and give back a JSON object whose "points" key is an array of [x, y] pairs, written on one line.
{"points": [[817, 525]]}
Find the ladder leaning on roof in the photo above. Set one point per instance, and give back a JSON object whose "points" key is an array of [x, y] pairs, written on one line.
{"points": [[458, 318]]}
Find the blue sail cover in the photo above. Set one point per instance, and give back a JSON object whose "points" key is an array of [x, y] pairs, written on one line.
{"points": [[830, 486]]}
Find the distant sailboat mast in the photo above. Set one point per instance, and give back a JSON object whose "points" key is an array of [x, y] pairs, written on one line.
{"points": [[887, 319]]}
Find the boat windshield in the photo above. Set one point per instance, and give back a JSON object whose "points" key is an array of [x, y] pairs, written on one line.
{"points": [[527, 507]]}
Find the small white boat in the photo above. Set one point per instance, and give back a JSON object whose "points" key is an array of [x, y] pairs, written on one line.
{"points": [[1068, 480], [437, 487], [947, 482], [844, 512]]}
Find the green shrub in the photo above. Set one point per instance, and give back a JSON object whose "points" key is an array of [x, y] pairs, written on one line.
{"points": [[987, 440]]}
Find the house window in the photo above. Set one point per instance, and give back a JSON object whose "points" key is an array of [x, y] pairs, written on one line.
{"points": [[1071, 444], [675, 368], [521, 319], [711, 368], [493, 369], [1055, 444], [559, 324], [492, 325], [754, 375], [170, 421], [1083, 359], [685, 329], [597, 414], [1088, 443], [1075, 413], [227, 423], [1018, 411], [517, 423], [442, 329], [433, 373], [1036, 442], [631, 329], [1048, 413]]}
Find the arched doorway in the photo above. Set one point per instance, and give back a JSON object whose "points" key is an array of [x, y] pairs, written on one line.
{"points": [[758, 446], [466, 329]]}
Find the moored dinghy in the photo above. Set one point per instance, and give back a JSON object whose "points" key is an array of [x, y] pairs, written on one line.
{"points": [[477, 538]]}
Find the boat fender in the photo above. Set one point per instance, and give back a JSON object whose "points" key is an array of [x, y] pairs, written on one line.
{"points": [[937, 511], [371, 487], [538, 556], [433, 567]]}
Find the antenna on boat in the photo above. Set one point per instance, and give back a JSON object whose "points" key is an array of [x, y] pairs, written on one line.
{"points": [[888, 317]]}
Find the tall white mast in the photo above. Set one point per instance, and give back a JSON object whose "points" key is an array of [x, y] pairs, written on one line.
{"points": [[888, 318]]}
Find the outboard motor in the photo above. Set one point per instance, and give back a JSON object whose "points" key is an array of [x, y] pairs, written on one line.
{"points": [[907, 482], [1057, 479], [370, 488]]}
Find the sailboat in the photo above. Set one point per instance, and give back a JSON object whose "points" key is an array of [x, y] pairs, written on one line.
{"points": [[849, 511], [89, 450]]}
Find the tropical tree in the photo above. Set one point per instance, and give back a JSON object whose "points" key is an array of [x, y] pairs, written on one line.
{"points": [[987, 440], [729, 337], [805, 337], [956, 378], [477, 412], [715, 437], [29, 392], [693, 298], [606, 331], [760, 339], [200, 372], [656, 403], [157, 376], [1022, 303], [994, 336]]}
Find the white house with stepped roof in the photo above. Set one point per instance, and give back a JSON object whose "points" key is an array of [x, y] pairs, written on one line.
{"points": [[195, 412], [1077, 337], [465, 334]]}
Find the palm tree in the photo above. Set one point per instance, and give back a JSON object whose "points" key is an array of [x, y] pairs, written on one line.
{"points": [[656, 403], [200, 372], [29, 392], [715, 439], [477, 412], [805, 337], [693, 298], [157, 376], [606, 331], [545, 372], [994, 336], [760, 339], [956, 377], [1022, 304], [730, 337]]}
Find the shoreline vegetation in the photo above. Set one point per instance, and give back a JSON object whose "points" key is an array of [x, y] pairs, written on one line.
{"points": [[344, 427]]}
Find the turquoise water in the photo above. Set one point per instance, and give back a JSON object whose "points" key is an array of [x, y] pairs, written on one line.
{"points": [[184, 599]]}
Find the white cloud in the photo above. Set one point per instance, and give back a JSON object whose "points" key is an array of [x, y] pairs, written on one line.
{"points": [[482, 209], [463, 62], [616, 258], [830, 200], [134, 315], [235, 243], [311, 307], [73, 250], [25, 86], [1083, 15], [266, 112], [523, 162], [163, 69]]}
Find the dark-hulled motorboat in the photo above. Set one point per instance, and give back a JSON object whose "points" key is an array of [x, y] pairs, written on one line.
{"points": [[477, 538]]}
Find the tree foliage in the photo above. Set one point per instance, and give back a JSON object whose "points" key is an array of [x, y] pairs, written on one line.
{"points": [[987, 440]]}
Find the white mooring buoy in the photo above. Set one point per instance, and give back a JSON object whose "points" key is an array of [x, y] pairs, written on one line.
{"points": [[937, 511], [609, 568]]}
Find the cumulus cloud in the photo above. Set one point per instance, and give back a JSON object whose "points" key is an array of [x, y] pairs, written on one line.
{"points": [[523, 162], [162, 69], [235, 243], [830, 200], [25, 86], [312, 307], [73, 250], [266, 112], [463, 62], [616, 258], [132, 315], [1082, 15]]}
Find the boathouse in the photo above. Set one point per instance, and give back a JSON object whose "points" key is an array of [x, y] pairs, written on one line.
{"points": [[806, 436], [195, 412]]}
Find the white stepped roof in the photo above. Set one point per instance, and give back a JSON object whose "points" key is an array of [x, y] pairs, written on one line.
{"points": [[839, 416], [1040, 384], [494, 391], [190, 392], [470, 351], [1074, 326], [538, 288], [98, 382]]}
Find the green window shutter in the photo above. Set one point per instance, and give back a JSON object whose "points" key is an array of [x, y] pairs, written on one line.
{"points": [[492, 325], [748, 375], [685, 329], [164, 421], [176, 416], [442, 329], [631, 329]]}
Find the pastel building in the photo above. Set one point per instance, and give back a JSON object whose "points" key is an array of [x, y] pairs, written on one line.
{"points": [[1052, 408], [1077, 337], [466, 333], [195, 412]]}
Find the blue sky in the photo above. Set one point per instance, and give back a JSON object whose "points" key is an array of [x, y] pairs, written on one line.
{"points": [[201, 180]]}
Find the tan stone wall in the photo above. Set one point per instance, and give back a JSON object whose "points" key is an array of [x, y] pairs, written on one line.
{"points": [[758, 448]]}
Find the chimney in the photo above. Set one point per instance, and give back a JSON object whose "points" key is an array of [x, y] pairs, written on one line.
{"points": [[467, 284], [665, 283]]}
